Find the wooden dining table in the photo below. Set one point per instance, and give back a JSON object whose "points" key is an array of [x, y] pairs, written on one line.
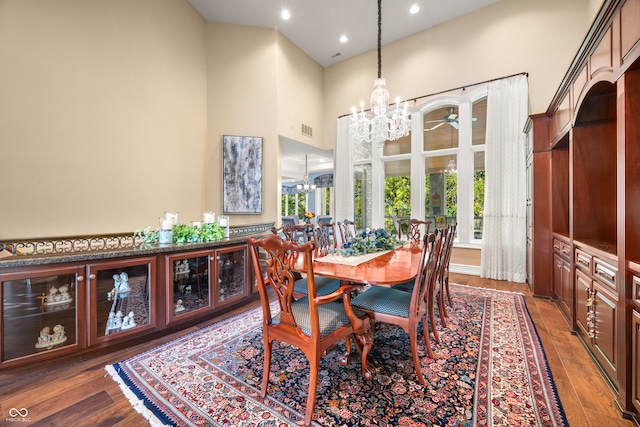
{"points": [[399, 265], [391, 268]]}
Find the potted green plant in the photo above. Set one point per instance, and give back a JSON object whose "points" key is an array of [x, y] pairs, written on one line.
{"points": [[147, 237], [183, 233]]}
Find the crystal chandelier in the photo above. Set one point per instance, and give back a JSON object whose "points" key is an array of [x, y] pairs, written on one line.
{"points": [[305, 187], [380, 128]]}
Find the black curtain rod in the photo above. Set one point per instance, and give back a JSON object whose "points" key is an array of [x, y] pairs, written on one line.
{"points": [[455, 88]]}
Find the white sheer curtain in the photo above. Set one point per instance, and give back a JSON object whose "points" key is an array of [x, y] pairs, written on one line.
{"points": [[343, 182], [504, 229]]}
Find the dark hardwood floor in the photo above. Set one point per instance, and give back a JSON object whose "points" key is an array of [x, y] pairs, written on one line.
{"points": [[78, 392]]}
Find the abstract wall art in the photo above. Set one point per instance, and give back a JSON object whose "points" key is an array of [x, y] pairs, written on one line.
{"points": [[242, 174]]}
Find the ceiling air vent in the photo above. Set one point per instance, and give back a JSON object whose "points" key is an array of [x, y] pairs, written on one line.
{"points": [[307, 130]]}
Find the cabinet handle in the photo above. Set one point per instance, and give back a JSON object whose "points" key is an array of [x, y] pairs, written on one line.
{"points": [[79, 278], [565, 251], [583, 262], [606, 274], [556, 247]]}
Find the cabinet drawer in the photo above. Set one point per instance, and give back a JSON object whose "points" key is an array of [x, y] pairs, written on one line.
{"points": [[561, 248], [605, 272], [583, 260], [636, 290]]}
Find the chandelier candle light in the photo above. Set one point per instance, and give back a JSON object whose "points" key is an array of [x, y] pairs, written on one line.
{"points": [[380, 128], [306, 187]]}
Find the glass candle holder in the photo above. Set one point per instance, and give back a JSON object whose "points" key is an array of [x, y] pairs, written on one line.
{"points": [[223, 221]]}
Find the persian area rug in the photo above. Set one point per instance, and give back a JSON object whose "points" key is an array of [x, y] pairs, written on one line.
{"points": [[490, 370]]}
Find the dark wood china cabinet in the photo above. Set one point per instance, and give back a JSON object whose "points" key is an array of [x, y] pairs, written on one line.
{"points": [[586, 199]]}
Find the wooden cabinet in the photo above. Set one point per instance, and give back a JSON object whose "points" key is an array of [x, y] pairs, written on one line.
{"points": [[112, 297], [41, 313], [562, 281], [231, 275], [122, 296], [635, 360], [586, 175], [189, 285], [202, 282], [596, 319]]}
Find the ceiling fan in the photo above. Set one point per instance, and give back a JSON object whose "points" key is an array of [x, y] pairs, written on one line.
{"points": [[450, 118]]}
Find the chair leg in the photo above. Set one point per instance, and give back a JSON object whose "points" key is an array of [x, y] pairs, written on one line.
{"points": [[432, 316], [314, 366], [413, 338], [363, 340], [450, 301], [267, 366], [427, 340], [442, 307]]}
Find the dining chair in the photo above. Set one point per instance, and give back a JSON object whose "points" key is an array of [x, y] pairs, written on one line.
{"points": [[405, 309], [314, 323], [414, 230], [435, 291], [323, 236], [324, 218], [442, 284], [324, 285], [299, 230], [347, 230]]}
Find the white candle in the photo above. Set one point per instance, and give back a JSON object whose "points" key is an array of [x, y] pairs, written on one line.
{"points": [[172, 216], [208, 217], [166, 224], [223, 221]]}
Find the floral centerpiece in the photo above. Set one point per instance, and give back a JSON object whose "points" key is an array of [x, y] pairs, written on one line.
{"points": [[370, 241], [308, 216]]}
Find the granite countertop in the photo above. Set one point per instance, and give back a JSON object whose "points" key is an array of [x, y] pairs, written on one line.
{"points": [[96, 255]]}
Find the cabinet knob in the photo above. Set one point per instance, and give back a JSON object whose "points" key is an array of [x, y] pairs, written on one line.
{"points": [[92, 276], [79, 278]]}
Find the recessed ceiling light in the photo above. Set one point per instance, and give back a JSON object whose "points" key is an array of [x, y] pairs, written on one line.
{"points": [[414, 9], [344, 39], [285, 14]]}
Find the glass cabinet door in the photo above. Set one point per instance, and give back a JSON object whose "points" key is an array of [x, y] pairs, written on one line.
{"points": [[40, 312], [189, 284], [232, 273], [122, 296]]}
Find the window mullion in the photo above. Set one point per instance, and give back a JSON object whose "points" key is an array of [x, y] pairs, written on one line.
{"points": [[465, 174]]}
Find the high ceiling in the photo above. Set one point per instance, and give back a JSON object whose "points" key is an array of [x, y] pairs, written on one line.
{"points": [[316, 27]]}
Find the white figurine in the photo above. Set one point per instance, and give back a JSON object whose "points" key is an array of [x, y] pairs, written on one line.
{"points": [[117, 321], [128, 322], [47, 340], [123, 289], [179, 307]]}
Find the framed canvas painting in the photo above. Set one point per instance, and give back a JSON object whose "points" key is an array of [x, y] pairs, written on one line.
{"points": [[241, 174]]}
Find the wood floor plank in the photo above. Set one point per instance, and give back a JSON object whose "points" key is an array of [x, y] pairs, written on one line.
{"points": [[76, 413]]}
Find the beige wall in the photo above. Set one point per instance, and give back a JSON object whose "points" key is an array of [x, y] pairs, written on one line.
{"points": [[300, 83], [112, 112], [241, 95], [102, 114], [260, 84]]}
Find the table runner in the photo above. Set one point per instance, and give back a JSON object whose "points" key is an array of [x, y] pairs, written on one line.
{"points": [[350, 260]]}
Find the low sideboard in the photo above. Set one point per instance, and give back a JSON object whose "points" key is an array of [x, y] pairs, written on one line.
{"points": [[74, 295]]}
